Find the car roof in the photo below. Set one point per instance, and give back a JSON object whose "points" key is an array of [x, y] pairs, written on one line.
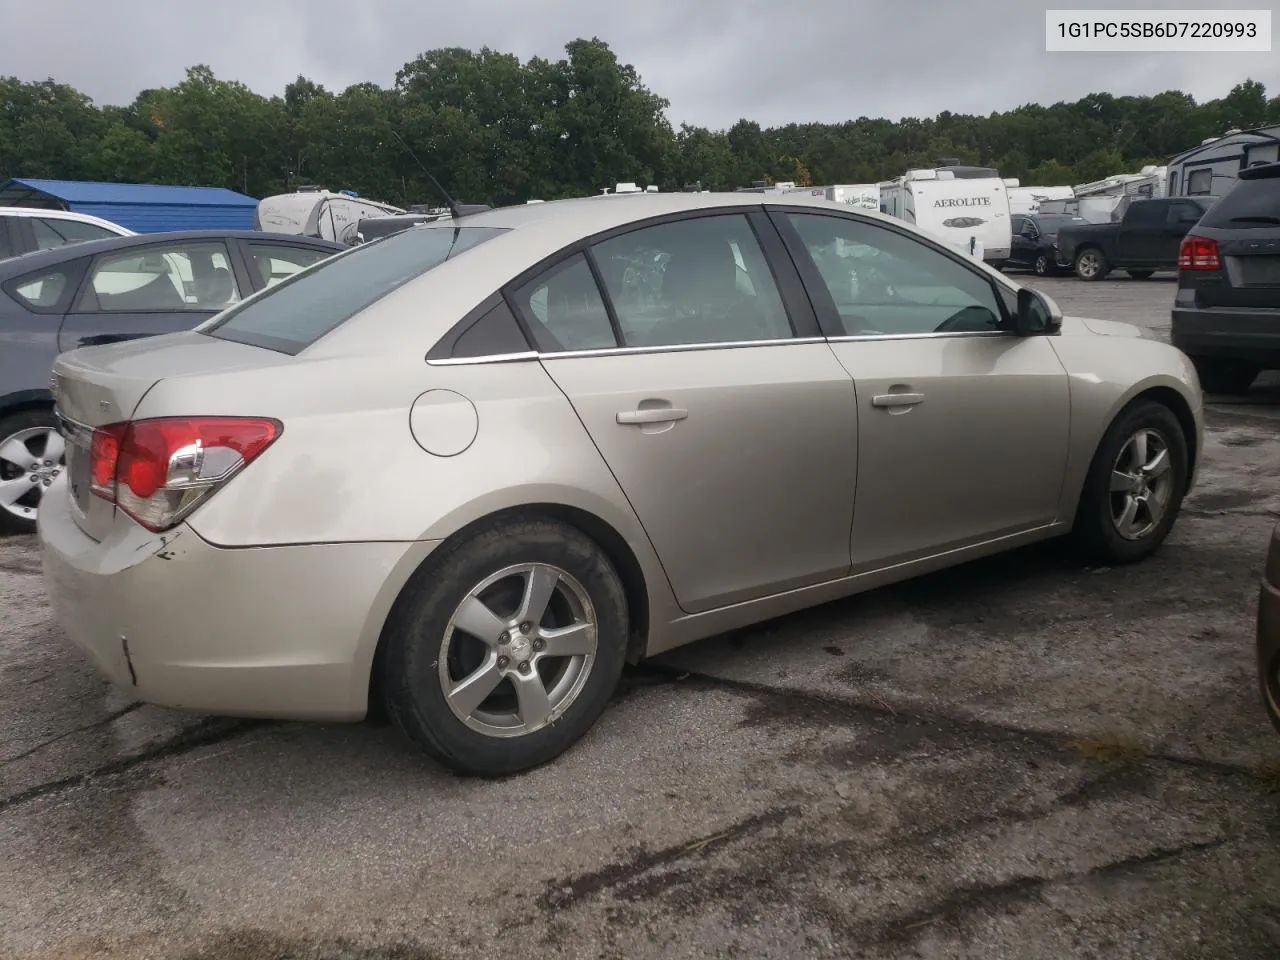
{"points": [[42, 259], [46, 212], [557, 223]]}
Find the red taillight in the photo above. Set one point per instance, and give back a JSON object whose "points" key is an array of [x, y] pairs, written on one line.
{"points": [[158, 470], [1198, 253]]}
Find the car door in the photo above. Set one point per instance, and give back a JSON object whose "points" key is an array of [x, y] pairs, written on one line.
{"points": [[1023, 245], [270, 261], [1144, 233], [702, 379], [147, 289], [962, 426], [32, 306]]}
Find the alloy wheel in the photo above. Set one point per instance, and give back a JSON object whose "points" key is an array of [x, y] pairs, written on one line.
{"points": [[518, 649], [1141, 484], [29, 461]]}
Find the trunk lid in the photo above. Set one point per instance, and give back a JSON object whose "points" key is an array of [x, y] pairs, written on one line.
{"points": [[96, 386]]}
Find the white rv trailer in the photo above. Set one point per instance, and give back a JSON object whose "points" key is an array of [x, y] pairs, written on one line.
{"points": [[314, 212], [1028, 199], [1209, 169], [1105, 200], [863, 196], [966, 208]]}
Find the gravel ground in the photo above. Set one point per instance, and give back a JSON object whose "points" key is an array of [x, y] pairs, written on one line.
{"points": [[1017, 758]]}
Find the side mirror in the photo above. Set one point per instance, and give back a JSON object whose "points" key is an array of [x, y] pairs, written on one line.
{"points": [[1037, 314]]}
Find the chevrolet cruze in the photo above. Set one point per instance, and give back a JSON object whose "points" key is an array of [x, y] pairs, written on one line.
{"points": [[470, 470]]}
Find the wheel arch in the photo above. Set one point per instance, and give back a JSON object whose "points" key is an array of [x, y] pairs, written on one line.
{"points": [[614, 545], [20, 401]]}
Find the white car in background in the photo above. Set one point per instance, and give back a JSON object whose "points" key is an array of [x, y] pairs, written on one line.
{"points": [[24, 229]]}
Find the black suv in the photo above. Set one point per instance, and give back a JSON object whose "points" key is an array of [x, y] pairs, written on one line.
{"points": [[1226, 315]]}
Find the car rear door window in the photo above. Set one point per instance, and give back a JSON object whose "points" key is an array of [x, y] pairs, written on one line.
{"points": [[1146, 213], [275, 262], [298, 311], [1183, 213], [52, 233], [885, 283], [171, 277], [692, 281]]}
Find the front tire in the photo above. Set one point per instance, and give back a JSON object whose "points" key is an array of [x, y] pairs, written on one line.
{"points": [[31, 455], [1043, 266], [1091, 264], [1225, 376], [504, 650], [1134, 488]]}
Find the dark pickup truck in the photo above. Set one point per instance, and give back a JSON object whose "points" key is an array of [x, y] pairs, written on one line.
{"points": [[1145, 240]]}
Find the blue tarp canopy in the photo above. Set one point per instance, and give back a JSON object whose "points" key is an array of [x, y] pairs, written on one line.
{"points": [[140, 207]]}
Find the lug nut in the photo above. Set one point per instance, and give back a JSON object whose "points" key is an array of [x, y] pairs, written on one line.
{"points": [[505, 638], [503, 662], [526, 627], [48, 463], [524, 666], [539, 644]]}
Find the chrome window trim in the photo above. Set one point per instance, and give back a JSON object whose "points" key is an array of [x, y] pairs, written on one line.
{"points": [[724, 345]]}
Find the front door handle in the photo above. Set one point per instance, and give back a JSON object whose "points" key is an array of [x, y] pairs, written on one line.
{"points": [[654, 415], [897, 399]]}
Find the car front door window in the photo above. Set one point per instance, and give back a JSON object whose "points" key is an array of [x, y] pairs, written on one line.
{"points": [[885, 283], [174, 278]]}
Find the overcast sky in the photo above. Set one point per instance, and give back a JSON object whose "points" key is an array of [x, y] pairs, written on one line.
{"points": [[715, 60]]}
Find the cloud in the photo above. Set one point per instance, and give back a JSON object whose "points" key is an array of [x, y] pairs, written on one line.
{"points": [[715, 60]]}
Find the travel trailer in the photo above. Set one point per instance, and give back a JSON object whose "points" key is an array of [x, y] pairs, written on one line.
{"points": [[1105, 200], [865, 196], [1027, 200], [1210, 168], [966, 208], [316, 212]]}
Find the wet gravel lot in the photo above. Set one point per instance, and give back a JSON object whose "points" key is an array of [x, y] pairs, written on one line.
{"points": [[1018, 758]]}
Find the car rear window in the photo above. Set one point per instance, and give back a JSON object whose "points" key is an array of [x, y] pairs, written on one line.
{"points": [[297, 312], [1248, 205]]}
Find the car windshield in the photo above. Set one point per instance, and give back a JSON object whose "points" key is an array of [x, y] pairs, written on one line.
{"points": [[300, 310], [1249, 204]]}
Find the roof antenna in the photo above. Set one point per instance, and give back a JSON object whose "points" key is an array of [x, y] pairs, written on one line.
{"points": [[456, 210]]}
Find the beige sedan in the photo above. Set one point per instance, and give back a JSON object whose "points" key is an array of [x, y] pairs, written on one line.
{"points": [[469, 470]]}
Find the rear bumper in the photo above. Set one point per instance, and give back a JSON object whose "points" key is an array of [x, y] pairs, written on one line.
{"points": [[1268, 631], [1228, 334], [277, 632]]}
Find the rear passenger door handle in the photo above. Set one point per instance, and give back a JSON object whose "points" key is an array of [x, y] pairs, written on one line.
{"points": [[897, 399], [655, 415]]}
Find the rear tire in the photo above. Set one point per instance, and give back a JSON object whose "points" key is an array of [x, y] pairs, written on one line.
{"points": [[1141, 274], [23, 439], [1159, 482], [1225, 376], [1091, 264], [538, 703]]}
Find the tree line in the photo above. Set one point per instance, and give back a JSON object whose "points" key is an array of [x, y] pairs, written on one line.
{"points": [[497, 130]]}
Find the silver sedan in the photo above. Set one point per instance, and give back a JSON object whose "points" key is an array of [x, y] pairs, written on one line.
{"points": [[468, 471]]}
